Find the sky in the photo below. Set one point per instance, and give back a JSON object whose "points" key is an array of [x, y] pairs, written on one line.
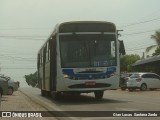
{"points": [[26, 24]]}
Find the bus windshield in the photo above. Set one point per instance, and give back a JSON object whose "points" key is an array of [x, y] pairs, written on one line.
{"points": [[87, 50]]}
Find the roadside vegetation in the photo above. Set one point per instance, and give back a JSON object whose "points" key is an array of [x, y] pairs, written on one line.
{"points": [[156, 37], [31, 79], [126, 62]]}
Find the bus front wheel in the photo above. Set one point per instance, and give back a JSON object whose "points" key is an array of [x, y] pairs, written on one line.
{"points": [[43, 92], [98, 95]]}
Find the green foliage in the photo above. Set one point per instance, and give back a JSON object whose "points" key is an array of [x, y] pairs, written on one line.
{"points": [[157, 51], [31, 79], [156, 37], [126, 62], [150, 48]]}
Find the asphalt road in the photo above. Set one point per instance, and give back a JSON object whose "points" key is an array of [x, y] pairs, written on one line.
{"points": [[113, 100]]}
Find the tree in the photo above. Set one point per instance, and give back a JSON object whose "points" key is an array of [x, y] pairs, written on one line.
{"points": [[156, 37], [31, 79], [126, 62], [157, 51], [150, 48]]}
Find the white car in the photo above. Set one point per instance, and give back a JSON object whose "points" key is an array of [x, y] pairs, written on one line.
{"points": [[143, 81]]}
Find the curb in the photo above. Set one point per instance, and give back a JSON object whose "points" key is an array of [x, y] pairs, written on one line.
{"points": [[48, 107]]}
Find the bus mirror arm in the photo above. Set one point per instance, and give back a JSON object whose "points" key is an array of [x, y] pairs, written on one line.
{"points": [[121, 47]]}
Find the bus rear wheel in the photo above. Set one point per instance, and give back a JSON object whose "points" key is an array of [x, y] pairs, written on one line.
{"points": [[98, 94], [55, 95]]}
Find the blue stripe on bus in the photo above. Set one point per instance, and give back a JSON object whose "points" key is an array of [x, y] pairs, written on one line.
{"points": [[70, 72]]}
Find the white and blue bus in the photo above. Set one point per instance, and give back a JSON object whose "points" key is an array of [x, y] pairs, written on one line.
{"points": [[80, 57]]}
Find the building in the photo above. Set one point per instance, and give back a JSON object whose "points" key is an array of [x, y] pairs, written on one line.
{"points": [[150, 64]]}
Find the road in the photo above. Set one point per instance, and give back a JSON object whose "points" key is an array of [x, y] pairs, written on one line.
{"points": [[113, 100]]}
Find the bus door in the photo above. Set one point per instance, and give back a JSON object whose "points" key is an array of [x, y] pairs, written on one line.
{"points": [[38, 72], [53, 64], [44, 61]]}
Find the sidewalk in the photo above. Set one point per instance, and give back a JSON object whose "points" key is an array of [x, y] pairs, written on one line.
{"points": [[19, 102]]}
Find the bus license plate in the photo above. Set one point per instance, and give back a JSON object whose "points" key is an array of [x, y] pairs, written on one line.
{"points": [[90, 83]]}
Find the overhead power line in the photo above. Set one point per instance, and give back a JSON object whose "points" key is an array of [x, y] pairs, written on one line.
{"points": [[21, 36], [18, 68], [2, 28], [24, 37], [136, 23], [136, 49], [140, 46], [18, 58], [136, 33]]}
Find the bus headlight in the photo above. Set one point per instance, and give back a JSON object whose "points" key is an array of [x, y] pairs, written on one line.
{"points": [[66, 76]]}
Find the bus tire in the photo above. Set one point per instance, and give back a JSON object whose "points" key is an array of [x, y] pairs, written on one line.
{"points": [[1, 91], [55, 95], [75, 94], [43, 92], [98, 94], [123, 88]]}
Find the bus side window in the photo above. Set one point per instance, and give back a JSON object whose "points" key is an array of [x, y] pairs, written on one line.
{"points": [[46, 52], [38, 61], [42, 57]]}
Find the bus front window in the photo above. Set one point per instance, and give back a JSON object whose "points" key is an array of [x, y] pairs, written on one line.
{"points": [[87, 50]]}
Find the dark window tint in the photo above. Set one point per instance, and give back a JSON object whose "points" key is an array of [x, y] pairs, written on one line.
{"points": [[87, 27], [150, 76], [135, 76], [126, 75], [91, 50], [147, 76], [156, 76]]}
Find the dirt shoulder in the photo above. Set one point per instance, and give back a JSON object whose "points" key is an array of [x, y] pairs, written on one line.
{"points": [[20, 102]]}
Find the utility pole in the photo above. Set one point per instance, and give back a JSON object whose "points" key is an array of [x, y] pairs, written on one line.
{"points": [[118, 34], [121, 44]]}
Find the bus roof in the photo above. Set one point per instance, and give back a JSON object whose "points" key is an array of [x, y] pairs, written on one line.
{"points": [[87, 26], [81, 23]]}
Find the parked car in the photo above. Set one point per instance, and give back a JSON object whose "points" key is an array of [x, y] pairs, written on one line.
{"points": [[12, 86], [143, 81], [3, 86], [123, 80]]}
